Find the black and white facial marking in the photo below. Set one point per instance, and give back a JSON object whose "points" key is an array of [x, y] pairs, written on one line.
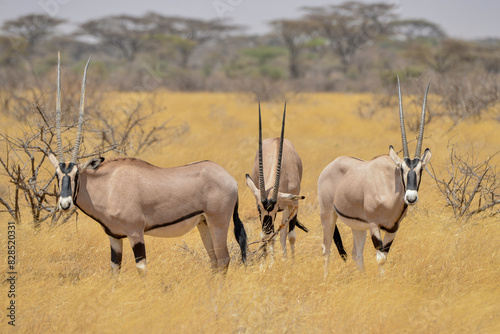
{"points": [[67, 176], [267, 213], [412, 174]]}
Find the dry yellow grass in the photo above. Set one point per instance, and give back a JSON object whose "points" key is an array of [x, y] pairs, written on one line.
{"points": [[442, 275]]}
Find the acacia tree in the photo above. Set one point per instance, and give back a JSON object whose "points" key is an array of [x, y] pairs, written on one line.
{"points": [[128, 33], [295, 35], [188, 34], [417, 28], [349, 26], [31, 28]]}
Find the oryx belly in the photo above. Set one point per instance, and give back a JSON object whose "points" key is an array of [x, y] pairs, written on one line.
{"points": [[175, 228]]}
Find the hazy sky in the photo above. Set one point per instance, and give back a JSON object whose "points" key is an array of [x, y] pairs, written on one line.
{"points": [[459, 18]]}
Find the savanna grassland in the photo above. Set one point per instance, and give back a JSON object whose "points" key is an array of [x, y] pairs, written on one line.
{"points": [[442, 274]]}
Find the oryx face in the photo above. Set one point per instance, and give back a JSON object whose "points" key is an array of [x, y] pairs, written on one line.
{"points": [[67, 177], [411, 174], [267, 207], [67, 174], [267, 214]]}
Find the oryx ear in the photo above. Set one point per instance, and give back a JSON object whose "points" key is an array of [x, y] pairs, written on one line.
{"points": [[394, 156], [91, 164], [426, 157], [289, 198], [53, 160], [252, 187]]}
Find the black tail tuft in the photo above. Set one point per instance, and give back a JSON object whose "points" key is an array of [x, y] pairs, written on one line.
{"points": [[302, 227], [338, 242], [240, 234]]}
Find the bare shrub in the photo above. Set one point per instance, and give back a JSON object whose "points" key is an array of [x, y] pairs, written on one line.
{"points": [[472, 185], [128, 127], [23, 166], [467, 96]]}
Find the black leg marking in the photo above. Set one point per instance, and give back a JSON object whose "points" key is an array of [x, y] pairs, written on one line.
{"points": [[292, 224], [338, 242], [139, 251], [387, 247], [116, 257], [377, 243]]}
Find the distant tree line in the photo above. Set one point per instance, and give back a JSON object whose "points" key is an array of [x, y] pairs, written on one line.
{"points": [[353, 46]]}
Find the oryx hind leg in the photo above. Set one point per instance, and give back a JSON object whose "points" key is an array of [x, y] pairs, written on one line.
{"points": [[206, 237], [218, 226], [358, 244], [328, 219], [137, 242], [116, 254]]}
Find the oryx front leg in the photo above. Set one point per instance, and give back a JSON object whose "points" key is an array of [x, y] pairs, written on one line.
{"points": [[358, 244], [378, 244], [388, 239], [137, 243], [116, 254], [284, 232]]}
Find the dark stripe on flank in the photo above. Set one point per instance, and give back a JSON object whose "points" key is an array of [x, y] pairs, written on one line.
{"points": [[349, 217], [191, 215]]}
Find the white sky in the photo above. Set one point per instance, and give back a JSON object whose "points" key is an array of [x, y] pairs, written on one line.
{"points": [[459, 18]]}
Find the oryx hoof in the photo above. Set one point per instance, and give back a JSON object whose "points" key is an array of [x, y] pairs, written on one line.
{"points": [[381, 258]]}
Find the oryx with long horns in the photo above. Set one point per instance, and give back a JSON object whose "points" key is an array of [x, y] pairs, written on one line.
{"points": [[131, 198], [371, 195], [278, 169]]}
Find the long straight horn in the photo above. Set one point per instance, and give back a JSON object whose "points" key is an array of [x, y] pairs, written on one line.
{"points": [[422, 124], [280, 155], [58, 110], [402, 122], [80, 117], [262, 184]]}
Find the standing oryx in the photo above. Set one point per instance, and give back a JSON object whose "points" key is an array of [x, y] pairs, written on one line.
{"points": [[131, 198], [371, 195], [278, 168]]}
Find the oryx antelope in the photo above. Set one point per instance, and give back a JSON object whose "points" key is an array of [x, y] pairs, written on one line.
{"points": [[371, 195], [131, 198], [278, 169]]}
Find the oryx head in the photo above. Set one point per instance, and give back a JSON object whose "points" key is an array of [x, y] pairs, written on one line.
{"points": [[411, 169], [67, 172], [268, 205]]}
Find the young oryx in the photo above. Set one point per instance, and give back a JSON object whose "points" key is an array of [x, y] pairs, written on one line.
{"points": [[131, 198], [279, 170], [371, 195]]}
